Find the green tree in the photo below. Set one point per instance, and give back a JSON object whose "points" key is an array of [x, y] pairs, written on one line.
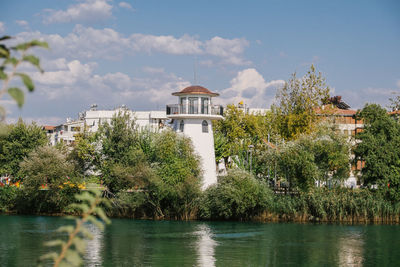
{"points": [[20, 139], [379, 148], [236, 196], [395, 103], [297, 101], [46, 166], [83, 153], [238, 130], [323, 155]]}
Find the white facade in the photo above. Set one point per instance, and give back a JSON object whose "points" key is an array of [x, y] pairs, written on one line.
{"points": [[193, 117], [90, 121]]}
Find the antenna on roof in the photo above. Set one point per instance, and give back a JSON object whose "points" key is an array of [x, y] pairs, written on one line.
{"points": [[195, 70]]}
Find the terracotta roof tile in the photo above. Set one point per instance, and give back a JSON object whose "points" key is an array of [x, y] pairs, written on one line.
{"points": [[195, 90]]}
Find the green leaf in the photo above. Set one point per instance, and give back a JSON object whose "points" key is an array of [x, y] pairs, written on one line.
{"points": [[96, 222], [5, 37], [82, 207], [39, 43], [26, 46], [66, 228], [2, 113], [86, 233], [51, 255], [3, 75], [102, 215], [85, 196], [27, 81], [54, 243], [11, 60], [33, 60], [4, 51], [17, 95], [80, 245], [73, 257]]}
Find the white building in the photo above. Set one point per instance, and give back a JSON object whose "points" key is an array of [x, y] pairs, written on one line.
{"points": [[90, 121], [193, 117]]}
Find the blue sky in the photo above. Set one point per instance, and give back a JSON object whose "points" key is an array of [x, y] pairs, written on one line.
{"points": [[138, 52]]}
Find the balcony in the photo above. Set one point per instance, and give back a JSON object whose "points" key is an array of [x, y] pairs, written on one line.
{"points": [[178, 109]]}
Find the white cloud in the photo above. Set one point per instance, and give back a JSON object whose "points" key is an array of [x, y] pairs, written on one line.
{"points": [[70, 82], [357, 99], [125, 5], [88, 11], [83, 42], [22, 23], [89, 43], [230, 50], [282, 54], [185, 45], [398, 83], [45, 120], [250, 86], [153, 70], [2, 27]]}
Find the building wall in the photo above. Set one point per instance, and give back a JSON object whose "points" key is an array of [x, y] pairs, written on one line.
{"points": [[203, 144], [91, 120]]}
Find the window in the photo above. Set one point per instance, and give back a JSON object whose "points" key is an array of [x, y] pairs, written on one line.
{"points": [[183, 105], [181, 126], [193, 105], [204, 126], [204, 105]]}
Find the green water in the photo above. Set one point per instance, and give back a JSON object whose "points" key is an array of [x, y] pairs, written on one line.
{"points": [[169, 243]]}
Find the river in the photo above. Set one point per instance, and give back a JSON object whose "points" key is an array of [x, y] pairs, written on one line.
{"points": [[170, 243]]}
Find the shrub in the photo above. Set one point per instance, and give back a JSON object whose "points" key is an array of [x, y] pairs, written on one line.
{"points": [[236, 196], [8, 195], [49, 182]]}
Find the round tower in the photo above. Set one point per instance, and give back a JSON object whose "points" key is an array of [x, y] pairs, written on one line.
{"points": [[193, 116]]}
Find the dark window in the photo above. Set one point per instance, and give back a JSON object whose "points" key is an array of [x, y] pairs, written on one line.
{"points": [[193, 105], [183, 105], [204, 125], [181, 126], [204, 105]]}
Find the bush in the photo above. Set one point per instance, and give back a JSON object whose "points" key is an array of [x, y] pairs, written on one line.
{"points": [[8, 196], [49, 183], [236, 196]]}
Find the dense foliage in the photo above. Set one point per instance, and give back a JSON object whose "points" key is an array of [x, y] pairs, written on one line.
{"points": [[49, 181], [237, 195], [296, 103], [282, 165], [379, 148], [18, 141], [323, 156]]}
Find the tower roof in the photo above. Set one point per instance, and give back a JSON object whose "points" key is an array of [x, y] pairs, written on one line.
{"points": [[195, 90]]}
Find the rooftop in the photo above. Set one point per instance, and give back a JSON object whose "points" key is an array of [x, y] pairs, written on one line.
{"points": [[195, 90]]}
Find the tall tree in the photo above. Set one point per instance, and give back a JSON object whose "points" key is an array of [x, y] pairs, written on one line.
{"points": [[379, 148], [238, 131], [321, 156], [297, 101], [20, 139]]}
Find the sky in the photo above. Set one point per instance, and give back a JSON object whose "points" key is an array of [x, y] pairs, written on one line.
{"points": [[138, 52]]}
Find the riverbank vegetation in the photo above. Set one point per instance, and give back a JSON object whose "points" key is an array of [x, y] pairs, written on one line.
{"points": [[286, 165]]}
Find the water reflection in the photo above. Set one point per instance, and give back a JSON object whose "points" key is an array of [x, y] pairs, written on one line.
{"points": [[170, 243], [94, 246], [351, 252], [205, 246]]}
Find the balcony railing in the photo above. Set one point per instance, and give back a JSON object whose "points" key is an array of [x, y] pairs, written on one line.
{"points": [[177, 109]]}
